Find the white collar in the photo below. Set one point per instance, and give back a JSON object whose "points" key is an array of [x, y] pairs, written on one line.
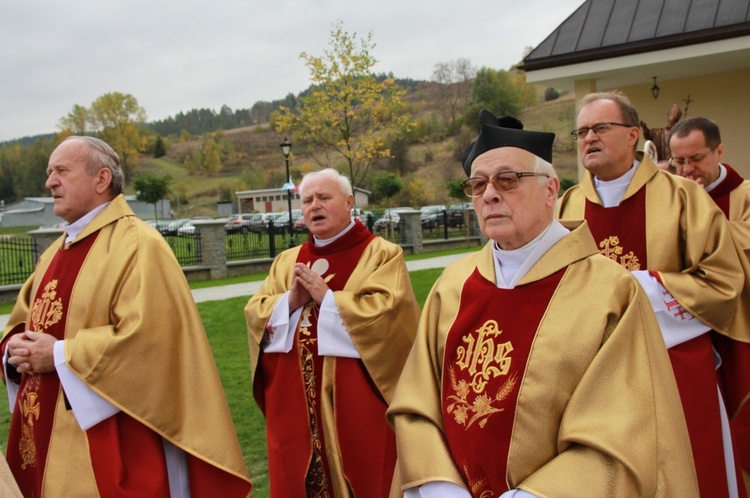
{"points": [[722, 177], [612, 191], [511, 266], [324, 242], [75, 228]]}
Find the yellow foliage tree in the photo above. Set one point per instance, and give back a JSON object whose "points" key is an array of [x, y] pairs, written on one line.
{"points": [[116, 118], [349, 113]]}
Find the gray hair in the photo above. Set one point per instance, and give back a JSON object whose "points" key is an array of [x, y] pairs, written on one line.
{"points": [[346, 186], [101, 155], [542, 166]]}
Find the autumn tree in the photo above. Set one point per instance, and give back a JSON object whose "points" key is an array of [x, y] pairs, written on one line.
{"points": [[455, 82], [151, 189], [211, 152], [77, 120], [348, 113], [116, 118]]}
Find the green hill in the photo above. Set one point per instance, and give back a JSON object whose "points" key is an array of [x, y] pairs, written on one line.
{"points": [[255, 160]]}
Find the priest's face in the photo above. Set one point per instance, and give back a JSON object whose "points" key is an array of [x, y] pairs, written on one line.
{"points": [[326, 209], [515, 218], [610, 153], [75, 191], [694, 159]]}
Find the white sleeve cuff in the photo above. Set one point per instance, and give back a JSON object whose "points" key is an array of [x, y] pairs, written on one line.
{"points": [[88, 407], [437, 489], [333, 337], [10, 386], [676, 323], [281, 327]]}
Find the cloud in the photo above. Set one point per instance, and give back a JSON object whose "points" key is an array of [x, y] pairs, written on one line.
{"points": [[175, 56]]}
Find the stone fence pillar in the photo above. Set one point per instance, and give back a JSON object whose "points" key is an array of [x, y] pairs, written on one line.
{"points": [[410, 226], [213, 246], [44, 238]]}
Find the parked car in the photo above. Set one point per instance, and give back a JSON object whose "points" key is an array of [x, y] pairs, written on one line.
{"points": [[261, 223], [363, 216], [432, 216], [240, 223], [175, 225], [390, 216], [186, 229], [457, 214], [160, 225]]}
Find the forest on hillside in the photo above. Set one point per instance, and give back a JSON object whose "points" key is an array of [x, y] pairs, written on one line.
{"points": [[369, 126]]}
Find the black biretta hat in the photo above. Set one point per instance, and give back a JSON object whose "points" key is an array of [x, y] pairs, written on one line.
{"points": [[506, 131]]}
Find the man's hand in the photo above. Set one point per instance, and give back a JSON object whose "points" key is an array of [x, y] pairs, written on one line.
{"points": [[311, 281], [298, 295], [31, 352]]}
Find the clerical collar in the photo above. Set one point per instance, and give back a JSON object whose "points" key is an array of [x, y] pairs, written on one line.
{"points": [[511, 266], [611, 192], [717, 182], [325, 242], [75, 228]]}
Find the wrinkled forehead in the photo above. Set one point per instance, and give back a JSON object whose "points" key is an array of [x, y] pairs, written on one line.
{"points": [[502, 159], [322, 185], [599, 111], [68, 153]]}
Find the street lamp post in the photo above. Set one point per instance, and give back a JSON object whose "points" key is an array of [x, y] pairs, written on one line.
{"points": [[286, 149]]}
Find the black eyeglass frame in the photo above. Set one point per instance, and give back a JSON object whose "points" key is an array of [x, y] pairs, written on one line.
{"points": [[468, 187], [692, 160], [580, 133]]}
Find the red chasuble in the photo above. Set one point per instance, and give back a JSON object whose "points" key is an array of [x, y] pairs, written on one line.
{"points": [[289, 392], [720, 194], [734, 372], [127, 457], [486, 352], [620, 233], [34, 411]]}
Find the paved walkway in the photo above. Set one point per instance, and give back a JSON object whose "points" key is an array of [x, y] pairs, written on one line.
{"points": [[249, 288]]}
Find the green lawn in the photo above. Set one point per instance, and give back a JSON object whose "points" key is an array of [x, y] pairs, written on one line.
{"points": [[225, 326]]}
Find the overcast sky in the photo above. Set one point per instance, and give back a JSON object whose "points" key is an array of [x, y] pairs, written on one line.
{"points": [[175, 56]]}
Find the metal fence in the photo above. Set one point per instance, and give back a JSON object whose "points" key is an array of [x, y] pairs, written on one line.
{"points": [[17, 259], [262, 240], [18, 255], [186, 245]]}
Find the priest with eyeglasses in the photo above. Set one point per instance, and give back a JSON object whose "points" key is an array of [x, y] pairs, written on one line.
{"points": [[538, 368], [675, 240]]}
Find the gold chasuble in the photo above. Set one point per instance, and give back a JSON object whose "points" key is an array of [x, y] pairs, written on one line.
{"points": [[668, 226], [733, 198], [325, 415], [527, 388], [118, 298]]}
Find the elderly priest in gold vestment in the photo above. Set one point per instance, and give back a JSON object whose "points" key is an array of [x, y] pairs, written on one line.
{"points": [[113, 388], [538, 368], [329, 331]]}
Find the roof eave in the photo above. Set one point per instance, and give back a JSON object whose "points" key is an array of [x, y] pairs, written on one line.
{"points": [[638, 47]]}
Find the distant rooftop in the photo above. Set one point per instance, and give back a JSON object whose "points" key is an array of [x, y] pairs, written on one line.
{"points": [[602, 29]]}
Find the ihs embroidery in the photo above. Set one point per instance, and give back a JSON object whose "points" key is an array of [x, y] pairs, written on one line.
{"points": [[483, 360], [611, 248]]}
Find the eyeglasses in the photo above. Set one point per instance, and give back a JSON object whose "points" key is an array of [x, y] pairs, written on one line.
{"points": [[598, 129], [507, 181], [679, 162]]}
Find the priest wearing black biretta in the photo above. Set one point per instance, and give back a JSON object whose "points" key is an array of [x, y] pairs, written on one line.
{"points": [[538, 368]]}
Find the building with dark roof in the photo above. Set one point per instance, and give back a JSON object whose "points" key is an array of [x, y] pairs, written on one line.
{"points": [[697, 52]]}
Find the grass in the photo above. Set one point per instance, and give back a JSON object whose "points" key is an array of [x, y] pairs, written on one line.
{"points": [[224, 322]]}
